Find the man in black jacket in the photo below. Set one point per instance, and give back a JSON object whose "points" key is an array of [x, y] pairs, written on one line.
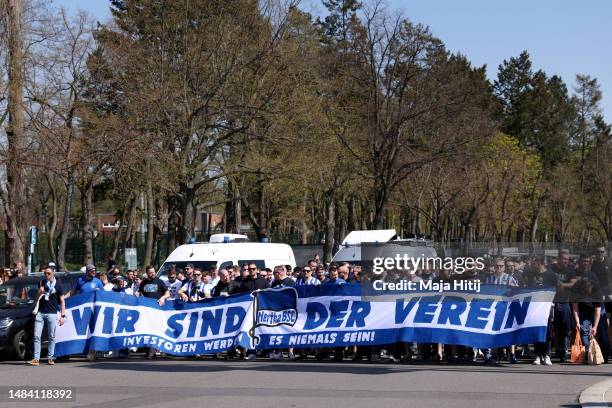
{"points": [[280, 277], [253, 281], [225, 287]]}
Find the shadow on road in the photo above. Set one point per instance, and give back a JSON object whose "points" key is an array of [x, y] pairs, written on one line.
{"points": [[192, 366]]}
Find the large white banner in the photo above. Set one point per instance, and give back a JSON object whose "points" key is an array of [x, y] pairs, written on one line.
{"points": [[305, 316]]}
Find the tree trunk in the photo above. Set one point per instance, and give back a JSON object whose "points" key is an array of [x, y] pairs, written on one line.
{"points": [[230, 213], [304, 225], [237, 215], [351, 214], [131, 220], [65, 224], [171, 230], [186, 226], [87, 222], [329, 227], [150, 237], [14, 201], [119, 232], [380, 201], [52, 223]]}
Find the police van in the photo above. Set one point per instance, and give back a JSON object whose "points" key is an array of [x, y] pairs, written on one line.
{"points": [[361, 247], [225, 250]]}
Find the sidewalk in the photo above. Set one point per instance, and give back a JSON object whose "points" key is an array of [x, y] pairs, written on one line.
{"points": [[598, 395]]}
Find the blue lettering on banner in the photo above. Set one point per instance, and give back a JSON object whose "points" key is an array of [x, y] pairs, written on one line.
{"points": [[517, 312], [427, 309], [211, 322], [479, 313], [451, 310], [323, 317]]}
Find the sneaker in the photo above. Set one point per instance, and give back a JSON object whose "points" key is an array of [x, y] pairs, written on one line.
{"points": [[251, 357], [547, 361], [90, 355], [33, 362], [50, 361], [512, 359], [291, 356], [393, 359], [537, 361], [150, 354]]}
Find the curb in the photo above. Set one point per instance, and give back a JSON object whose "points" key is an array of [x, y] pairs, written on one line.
{"points": [[594, 396]]}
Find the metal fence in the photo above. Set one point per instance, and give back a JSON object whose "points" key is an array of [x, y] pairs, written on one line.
{"points": [[103, 244]]}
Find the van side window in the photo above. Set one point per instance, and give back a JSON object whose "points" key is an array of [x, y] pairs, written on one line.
{"points": [[259, 262]]}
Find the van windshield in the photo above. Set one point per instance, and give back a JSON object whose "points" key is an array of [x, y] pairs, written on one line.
{"points": [[204, 266]]}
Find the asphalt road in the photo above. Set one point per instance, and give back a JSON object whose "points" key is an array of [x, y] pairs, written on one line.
{"points": [[137, 382]]}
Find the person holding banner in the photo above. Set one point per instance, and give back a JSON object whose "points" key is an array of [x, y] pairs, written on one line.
{"points": [[154, 288], [193, 290], [49, 296], [173, 284], [539, 276], [334, 273], [500, 277], [252, 281], [226, 286], [281, 280], [86, 284], [306, 278]]}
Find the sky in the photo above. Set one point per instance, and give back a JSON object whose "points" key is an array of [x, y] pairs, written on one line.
{"points": [[563, 37]]}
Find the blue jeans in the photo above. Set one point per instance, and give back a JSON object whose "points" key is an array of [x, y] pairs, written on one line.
{"points": [[585, 333], [51, 320]]}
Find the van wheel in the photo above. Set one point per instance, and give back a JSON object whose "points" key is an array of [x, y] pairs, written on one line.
{"points": [[21, 349]]}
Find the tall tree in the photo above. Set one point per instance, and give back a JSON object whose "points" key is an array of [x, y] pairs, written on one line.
{"points": [[13, 193], [588, 111]]}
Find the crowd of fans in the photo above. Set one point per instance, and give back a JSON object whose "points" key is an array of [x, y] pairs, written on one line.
{"points": [[15, 271], [582, 303]]}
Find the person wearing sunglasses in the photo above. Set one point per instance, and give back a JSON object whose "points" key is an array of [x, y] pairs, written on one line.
{"points": [[254, 280], [193, 290], [49, 297], [306, 277], [187, 274]]}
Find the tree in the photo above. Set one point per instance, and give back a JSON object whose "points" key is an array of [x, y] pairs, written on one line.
{"points": [[416, 103], [59, 71], [13, 193], [210, 74], [597, 206], [586, 102]]}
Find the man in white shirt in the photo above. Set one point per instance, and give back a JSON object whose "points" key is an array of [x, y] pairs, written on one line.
{"points": [[306, 278], [173, 284]]}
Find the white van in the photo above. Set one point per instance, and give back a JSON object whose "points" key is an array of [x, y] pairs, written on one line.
{"points": [[381, 243], [224, 254]]}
